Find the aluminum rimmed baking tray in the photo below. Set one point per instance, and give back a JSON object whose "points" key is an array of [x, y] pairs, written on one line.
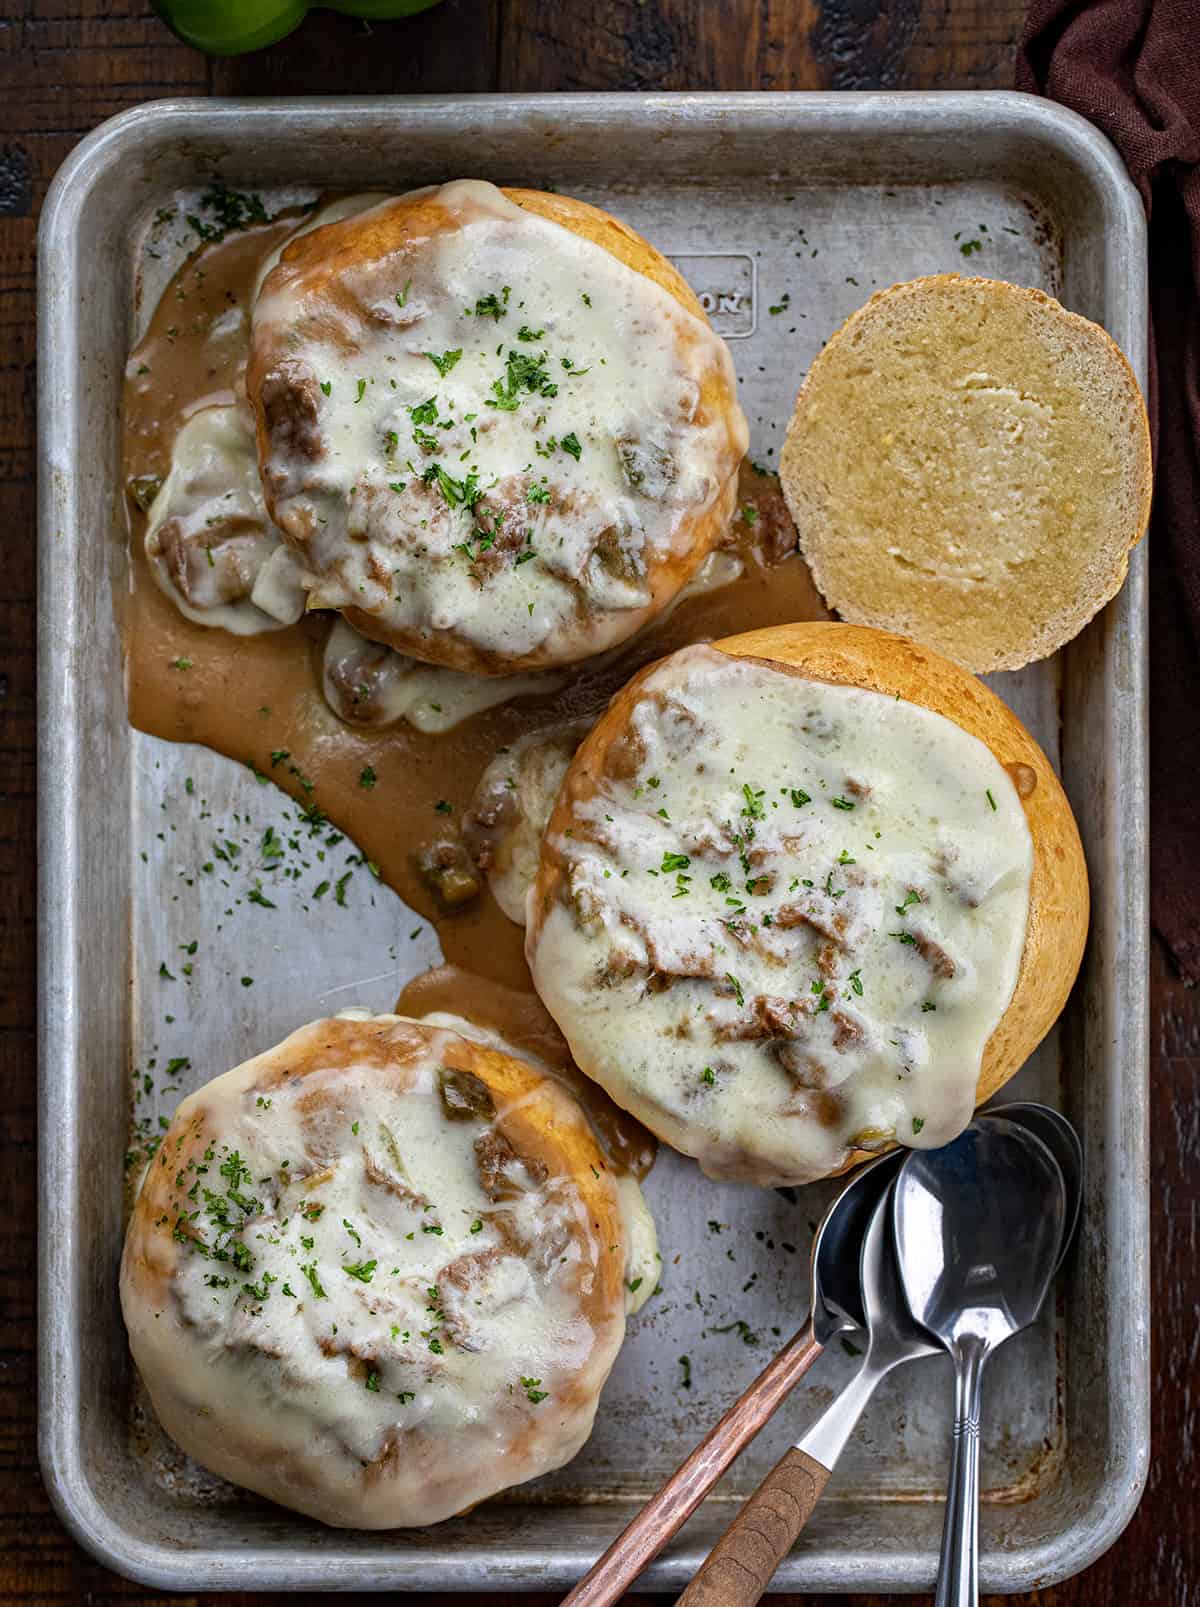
{"points": [[785, 211]]}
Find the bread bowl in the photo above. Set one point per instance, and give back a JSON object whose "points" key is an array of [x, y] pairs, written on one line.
{"points": [[378, 1273], [495, 426], [968, 463], [806, 893]]}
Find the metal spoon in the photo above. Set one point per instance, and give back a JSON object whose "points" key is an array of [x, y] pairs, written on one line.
{"points": [[894, 1337], [979, 1227], [836, 1307], [1061, 1139], [741, 1564]]}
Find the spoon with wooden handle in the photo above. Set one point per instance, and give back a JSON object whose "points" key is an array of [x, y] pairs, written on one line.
{"points": [[836, 1307], [741, 1564]]}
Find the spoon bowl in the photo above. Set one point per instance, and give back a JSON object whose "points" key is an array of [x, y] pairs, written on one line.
{"points": [[837, 1295], [979, 1231], [1061, 1139]]}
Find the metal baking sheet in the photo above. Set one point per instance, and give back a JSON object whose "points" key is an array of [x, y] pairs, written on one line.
{"points": [[785, 211]]}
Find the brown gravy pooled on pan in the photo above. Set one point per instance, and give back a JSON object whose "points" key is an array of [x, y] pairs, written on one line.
{"points": [[250, 696]]}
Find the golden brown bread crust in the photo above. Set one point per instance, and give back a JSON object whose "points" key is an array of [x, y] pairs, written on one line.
{"points": [[544, 1128], [324, 255], [877, 661]]}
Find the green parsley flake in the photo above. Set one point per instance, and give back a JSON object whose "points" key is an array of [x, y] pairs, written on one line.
{"points": [[445, 362]]}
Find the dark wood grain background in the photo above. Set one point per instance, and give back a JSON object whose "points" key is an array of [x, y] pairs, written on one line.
{"points": [[67, 64]]}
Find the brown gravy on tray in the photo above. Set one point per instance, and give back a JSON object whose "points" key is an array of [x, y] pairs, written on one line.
{"points": [[258, 698]]}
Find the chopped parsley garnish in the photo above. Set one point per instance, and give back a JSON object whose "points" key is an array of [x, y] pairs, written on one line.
{"points": [[708, 1075], [753, 807], [464, 493], [522, 373], [490, 306], [326, 387], [918, 1123], [231, 209], [262, 1289], [373, 1382], [525, 333], [445, 362], [736, 986], [425, 412], [364, 1271], [532, 1392], [310, 1272], [905, 937], [181, 663], [477, 1225], [367, 777], [855, 980], [352, 1231], [362, 391], [570, 443], [720, 882], [685, 1363], [673, 862], [911, 897], [990, 799], [405, 1396], [402, 295], [841, 803]]}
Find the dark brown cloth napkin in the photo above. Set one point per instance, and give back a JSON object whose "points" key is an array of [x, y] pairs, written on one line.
{"points": [[1132, 67]]}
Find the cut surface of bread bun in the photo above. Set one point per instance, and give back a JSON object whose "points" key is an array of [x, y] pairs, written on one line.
{"points": [[495, 426], [377, 1273], [808, 892], [968, 464]]}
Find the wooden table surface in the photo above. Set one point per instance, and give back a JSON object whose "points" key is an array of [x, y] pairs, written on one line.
{"points": [[67, 64]]}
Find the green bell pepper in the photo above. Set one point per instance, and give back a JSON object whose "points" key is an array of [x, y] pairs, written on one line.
{"points": [[230, 27]]}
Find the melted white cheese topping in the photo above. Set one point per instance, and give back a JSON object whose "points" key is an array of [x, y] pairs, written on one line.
{"points": [[393, 1341], [366, 683], [508, 432], [212, 547], [641, 1236], [792, 928], [510, 808]]}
